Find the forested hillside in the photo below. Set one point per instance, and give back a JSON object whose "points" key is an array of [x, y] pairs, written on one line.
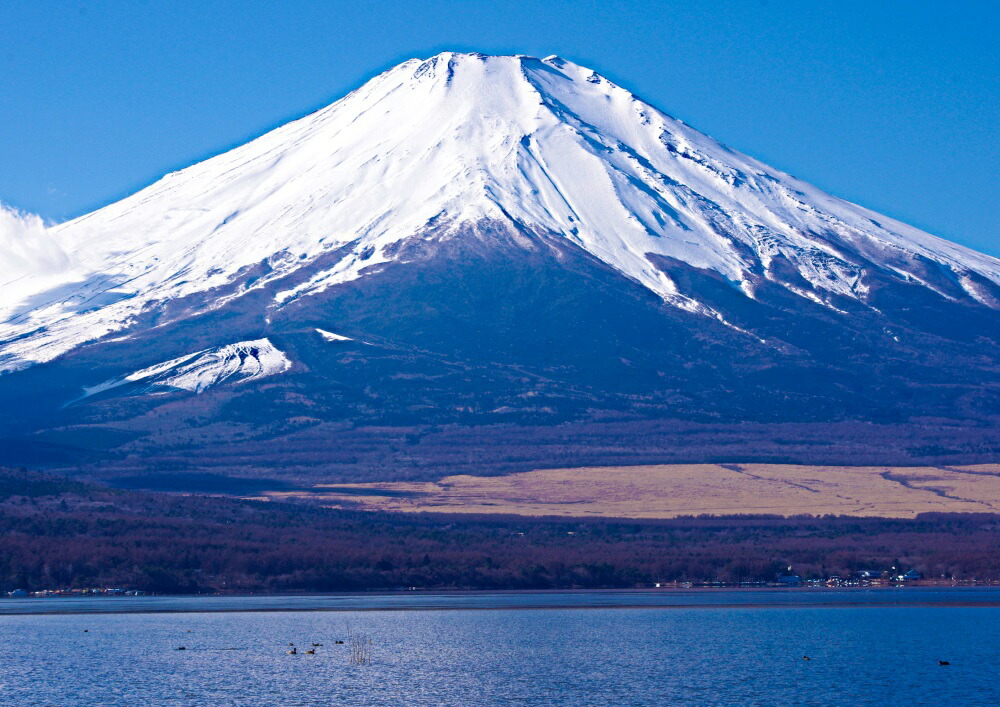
{"points": [[61, 534]]}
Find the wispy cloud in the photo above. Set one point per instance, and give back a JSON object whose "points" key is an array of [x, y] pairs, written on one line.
{"points": [[26, 247]]}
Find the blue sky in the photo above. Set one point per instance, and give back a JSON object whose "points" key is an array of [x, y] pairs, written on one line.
{"points": [[890, 104]]}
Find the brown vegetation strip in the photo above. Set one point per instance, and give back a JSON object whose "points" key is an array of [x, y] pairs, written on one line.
{"points": [[670, 491]]}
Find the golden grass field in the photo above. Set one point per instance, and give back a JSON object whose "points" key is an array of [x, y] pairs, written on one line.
{"points": [[668, 491]]}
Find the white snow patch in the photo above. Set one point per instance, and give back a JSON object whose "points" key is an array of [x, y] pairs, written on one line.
{"points": [[199, 371], [330, 336]]}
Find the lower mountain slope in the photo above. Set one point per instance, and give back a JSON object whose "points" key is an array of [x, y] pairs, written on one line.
{"points": [[500, 328]]}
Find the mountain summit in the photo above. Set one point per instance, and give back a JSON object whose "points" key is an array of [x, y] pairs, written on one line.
{"points": [[474, 237]]}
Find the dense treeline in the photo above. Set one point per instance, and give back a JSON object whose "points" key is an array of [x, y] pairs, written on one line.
{"points": [[304, 451], [58, 534]]}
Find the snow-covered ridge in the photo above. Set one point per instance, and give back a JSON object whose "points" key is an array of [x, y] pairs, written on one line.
{"points": [[542, 146], [201, 370]]}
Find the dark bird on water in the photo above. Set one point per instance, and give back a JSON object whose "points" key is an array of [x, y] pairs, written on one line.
{"points": [[943, 662], [294, 651], [311, 651], [182, 648], [805, 657], [317, 645]]}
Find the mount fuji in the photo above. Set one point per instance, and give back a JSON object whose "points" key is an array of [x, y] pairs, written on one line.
{"points": [[470, 242]]}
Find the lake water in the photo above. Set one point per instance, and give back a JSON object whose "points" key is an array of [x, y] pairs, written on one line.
{"points": [[706, 647]]}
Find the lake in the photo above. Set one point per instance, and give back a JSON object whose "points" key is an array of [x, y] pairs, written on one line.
{"points": [[597, 648]]}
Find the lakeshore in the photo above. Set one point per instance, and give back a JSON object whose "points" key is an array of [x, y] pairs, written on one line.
{"points": [[693, 598]]}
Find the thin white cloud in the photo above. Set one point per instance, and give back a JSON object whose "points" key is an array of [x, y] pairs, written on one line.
{"points": [[26, 247]]}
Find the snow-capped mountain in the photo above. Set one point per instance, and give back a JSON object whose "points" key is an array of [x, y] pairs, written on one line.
{"points": [[429, 147], [522, 237]]}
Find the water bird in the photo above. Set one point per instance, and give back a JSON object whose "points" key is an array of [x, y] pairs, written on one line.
{"points": [[317, 645], [182, 648], [943, 662], [805, 657], [311, 651], [294, 651], [339, 643]]}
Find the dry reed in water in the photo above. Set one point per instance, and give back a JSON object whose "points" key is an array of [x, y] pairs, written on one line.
{"points": [[361, 648]]}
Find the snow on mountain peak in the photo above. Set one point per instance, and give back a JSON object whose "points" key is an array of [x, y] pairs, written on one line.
{"points": [[540, 146]]}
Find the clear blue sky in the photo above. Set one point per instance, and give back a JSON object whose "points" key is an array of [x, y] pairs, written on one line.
{"points": [[890, 104]]}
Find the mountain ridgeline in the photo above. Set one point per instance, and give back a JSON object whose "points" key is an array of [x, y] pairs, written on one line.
{"points": [[490, 250]]}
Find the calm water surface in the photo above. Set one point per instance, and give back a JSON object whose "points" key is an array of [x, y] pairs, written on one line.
{"points": [[709, 654]]}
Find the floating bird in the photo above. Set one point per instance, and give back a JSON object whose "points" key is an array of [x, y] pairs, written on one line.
{"points": [[311, 651], [86, 630], [943, 662], [181, 648], [805, 657], [339, 643], [317, 645], [294, 651]]}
